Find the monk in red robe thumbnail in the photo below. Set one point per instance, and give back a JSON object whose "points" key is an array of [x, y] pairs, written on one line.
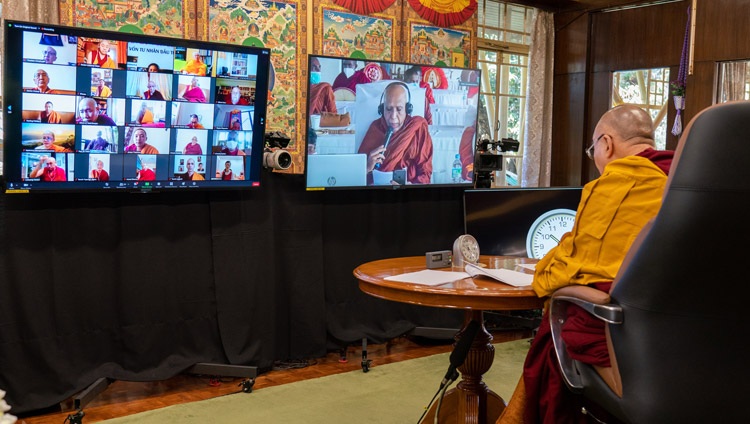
{"points": [[398, 140]]}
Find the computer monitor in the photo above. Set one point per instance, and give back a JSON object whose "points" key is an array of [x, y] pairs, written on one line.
{"points": [[91, 110], [525, 222], [415, 124]]}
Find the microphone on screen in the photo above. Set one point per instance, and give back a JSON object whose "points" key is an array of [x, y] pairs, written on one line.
{"points": [[388, 135], [460, 352]]}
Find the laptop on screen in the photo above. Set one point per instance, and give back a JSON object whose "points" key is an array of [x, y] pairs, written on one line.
{"points": [[345, 170]]}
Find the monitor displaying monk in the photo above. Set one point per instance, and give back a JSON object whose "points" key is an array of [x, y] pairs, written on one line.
{"points": [[415, 123]]}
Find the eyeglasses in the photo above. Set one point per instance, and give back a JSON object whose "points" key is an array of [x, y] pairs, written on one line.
{"points": [[590, 149], [40, 75]]}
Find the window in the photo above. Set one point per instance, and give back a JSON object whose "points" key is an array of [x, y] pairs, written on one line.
{"points": [[503, 48], [648, 89]]}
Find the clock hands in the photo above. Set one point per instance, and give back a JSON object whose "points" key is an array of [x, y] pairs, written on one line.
{"points": [[554, 238]]}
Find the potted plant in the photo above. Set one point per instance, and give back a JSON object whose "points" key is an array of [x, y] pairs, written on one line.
{"points": [[677, 88]]}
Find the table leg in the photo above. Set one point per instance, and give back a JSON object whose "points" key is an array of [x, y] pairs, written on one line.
{"points": [[471, 401]]}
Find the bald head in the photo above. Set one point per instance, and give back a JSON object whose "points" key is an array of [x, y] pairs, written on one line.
{"points": [[622, 131], [629, 122], [88, 110]]}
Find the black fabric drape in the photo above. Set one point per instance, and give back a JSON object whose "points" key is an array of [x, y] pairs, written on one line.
{"points": [[140, 287]]}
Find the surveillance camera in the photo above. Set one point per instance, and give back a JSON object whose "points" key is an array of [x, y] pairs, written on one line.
{"points": [[277, 159], [277, 139]]}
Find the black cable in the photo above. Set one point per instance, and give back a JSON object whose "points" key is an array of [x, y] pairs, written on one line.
{"points": [[443, 385], [292, 364], [440, 400]]}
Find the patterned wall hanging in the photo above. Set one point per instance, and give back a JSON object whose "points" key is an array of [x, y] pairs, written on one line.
{"points": [[351, 35], [274, 25], [438, 46], [171, 18]]}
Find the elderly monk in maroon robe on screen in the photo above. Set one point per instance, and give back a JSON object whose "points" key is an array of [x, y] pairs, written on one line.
{"points": [[321, 93], [398, 140]]}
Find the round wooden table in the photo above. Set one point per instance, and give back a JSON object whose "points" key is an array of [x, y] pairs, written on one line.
{"points": [[471, 401]]}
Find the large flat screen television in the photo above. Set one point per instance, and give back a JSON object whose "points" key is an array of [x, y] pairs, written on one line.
{"points": [[525, 222], [374, 124], [88, 110]]}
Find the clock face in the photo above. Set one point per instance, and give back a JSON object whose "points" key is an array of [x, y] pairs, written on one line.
{"points": [[546, 232], [465, 249]]}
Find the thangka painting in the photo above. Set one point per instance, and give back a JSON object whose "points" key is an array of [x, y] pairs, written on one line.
{"points": [[164, 17], [269, 24], [432, 45], [357, 36]]}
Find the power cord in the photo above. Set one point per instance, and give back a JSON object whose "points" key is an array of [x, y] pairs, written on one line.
{"points": [[292, 364], [440, 401], [440, 391]]}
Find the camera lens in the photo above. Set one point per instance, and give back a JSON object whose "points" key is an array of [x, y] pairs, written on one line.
{"points": [[278, 159]]}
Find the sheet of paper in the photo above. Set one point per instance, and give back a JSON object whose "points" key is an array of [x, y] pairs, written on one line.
{"points": [[507, 276], [528, 266], [429, 277]]}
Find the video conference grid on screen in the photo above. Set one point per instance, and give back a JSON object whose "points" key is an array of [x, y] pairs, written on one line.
{"points": [[102, 110], [388, 124]]}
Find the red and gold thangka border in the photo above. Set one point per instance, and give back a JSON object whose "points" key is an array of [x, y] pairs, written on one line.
{"points": [[365, 7], [445, 13]]}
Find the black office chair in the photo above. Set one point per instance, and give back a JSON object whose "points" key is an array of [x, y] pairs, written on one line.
{"points": [[677, 314]]}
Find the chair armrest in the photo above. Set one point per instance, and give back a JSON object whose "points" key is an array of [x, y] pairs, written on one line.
{"points": [[595, 302]]}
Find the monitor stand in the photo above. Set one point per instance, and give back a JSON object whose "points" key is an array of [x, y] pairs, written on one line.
{"points": [[202, 368]]}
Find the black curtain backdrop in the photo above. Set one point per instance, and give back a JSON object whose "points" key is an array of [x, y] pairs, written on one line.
{"points": [[140, 287]]}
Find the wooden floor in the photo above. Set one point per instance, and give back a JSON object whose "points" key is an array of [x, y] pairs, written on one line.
{"points": [[125, 398]]}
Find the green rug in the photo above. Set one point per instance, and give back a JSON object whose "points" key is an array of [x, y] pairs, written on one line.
{"points": [[392, 393]]}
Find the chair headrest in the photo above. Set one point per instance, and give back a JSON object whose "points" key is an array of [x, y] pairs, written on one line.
{"points": [[714, 149]]}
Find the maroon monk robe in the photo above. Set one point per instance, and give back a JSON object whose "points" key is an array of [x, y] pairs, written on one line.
{"points": [[410, 147], [322, 99], [466, 153]]}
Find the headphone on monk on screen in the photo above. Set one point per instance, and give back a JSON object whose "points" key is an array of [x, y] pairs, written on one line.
{"points": [[409, 106]]}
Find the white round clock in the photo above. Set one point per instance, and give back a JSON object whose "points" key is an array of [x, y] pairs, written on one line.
{"points": [[546, 232], [465, 249]]}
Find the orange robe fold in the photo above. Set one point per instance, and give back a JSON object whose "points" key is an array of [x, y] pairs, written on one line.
{"points": [[51, 118], [322, 99]]}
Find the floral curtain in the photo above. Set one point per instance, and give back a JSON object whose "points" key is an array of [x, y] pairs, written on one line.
{"points": [[733, 76], [538, 144], [445, 13], [365, 7]]}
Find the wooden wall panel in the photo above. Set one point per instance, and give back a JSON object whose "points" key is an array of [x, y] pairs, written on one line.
{"points": [[722, 30], [567, 128], [571, 43], [646, 37]]}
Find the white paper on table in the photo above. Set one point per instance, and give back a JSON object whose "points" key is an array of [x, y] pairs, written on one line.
{"points": [[528, 266], [507, 276], [429, 277], [381, 178]]}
